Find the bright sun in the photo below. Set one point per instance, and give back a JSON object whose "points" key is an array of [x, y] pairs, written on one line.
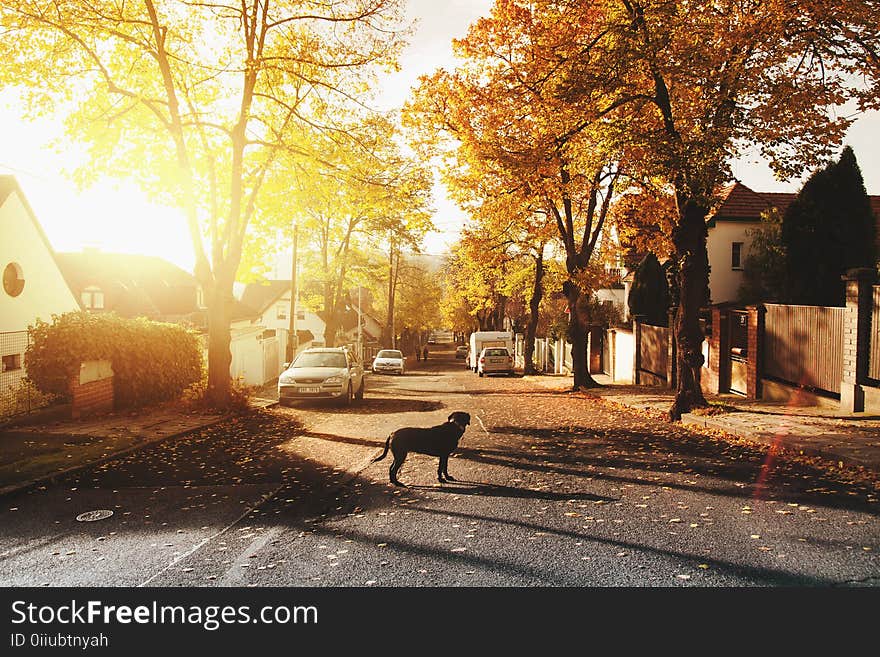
{"points": [[112, 216]]}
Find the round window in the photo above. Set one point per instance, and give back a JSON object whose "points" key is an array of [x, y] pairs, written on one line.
{"points": [[13, 281]]}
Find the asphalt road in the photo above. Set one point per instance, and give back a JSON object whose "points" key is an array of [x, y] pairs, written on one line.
{"points": [[553, 489]]}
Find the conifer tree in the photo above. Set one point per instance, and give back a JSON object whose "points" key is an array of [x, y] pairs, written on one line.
{"points": [[649, 295], [828, 229]]}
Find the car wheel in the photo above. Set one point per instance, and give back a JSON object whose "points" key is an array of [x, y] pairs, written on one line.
{"points": [[359, 395], [480, 373], [347, 397]]}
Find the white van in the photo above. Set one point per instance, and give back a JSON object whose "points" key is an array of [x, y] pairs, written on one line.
{"points": [[479, 340]]}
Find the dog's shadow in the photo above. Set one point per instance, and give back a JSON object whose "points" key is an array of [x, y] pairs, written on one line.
{"points": [[461, 487]]}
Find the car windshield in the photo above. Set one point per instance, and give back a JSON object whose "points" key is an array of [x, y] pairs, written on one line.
{"points": [[389, 353], [320, 359], [496, 352]]}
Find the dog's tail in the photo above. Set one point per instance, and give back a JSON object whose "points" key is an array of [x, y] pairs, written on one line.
{"points": [[385, 451]]}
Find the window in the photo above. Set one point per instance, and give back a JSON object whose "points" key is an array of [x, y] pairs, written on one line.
{"points": [[200, 297], [11, 362], [281, 311], [736, 255], [13, 280], [92, 298]]}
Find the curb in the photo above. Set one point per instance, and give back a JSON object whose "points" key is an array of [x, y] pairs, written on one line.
{"points": [[690, 420], [33, 483]]}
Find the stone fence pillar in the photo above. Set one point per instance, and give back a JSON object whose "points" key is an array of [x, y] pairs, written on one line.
{"points": [[856, 336], [671, 350], [755, 356], [637, 347]]}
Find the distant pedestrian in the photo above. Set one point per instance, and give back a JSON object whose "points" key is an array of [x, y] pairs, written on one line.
{"points": [[425, 353], [418, 354]]}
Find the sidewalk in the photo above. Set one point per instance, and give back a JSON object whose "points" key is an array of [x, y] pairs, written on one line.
{"points": [[34, 454], [852, 439]]}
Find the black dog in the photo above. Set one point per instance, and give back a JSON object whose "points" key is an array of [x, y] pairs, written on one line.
{"points": [[438, 441]]}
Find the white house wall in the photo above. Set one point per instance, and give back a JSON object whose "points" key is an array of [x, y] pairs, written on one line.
{"points": [[247, 356], [724, 281], [45, 291], [311, 321]]}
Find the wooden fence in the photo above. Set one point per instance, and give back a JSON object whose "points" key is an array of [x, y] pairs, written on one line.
{"points": [[803, 345], [874, 340], [653, 350]]}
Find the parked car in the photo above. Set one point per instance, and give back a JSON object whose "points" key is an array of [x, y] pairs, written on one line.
{"points": [[461, 351], [495, 360], [389, 360], [327, 373]]}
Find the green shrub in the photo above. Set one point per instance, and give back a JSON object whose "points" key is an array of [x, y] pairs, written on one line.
{"points": [[152, 362]]}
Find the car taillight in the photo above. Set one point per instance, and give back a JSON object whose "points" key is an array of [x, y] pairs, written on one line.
{"points": [[482, 360]]}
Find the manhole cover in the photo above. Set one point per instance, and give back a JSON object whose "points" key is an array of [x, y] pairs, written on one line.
{"points": [[91, 516]]}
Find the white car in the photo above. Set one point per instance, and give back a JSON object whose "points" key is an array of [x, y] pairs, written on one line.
{"points": [[389, 360], [495, 360], [322, 374]]}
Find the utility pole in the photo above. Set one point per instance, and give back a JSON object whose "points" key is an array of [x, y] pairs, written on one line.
{"points": [[360, 339], [292, 339]]}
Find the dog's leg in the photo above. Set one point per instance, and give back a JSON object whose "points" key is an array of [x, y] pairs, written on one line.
{"points": [[441, 466], [443, 469], [395, 466]]}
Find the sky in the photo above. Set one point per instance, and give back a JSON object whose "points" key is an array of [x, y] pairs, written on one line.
{"points": [[116, 217]]}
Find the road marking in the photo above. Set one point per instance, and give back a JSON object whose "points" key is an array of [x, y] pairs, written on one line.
{"points": [[201, 543]]}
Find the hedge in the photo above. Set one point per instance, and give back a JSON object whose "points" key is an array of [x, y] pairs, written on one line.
{"points": [[152, 361]]}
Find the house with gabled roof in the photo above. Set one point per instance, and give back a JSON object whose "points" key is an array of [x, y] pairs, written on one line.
{"points": [[149, 286], [737, 213], [33, 285], [270, 300], [132, 285]]}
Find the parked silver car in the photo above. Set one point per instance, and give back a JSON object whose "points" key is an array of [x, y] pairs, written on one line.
{"points": [[389, 360], [495, 360], [328, 373]]}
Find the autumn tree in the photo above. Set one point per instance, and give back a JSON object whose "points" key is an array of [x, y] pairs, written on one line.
{"points": [[691, 85], [503, 114], [354, 195], [476, 284], [197, 102]]}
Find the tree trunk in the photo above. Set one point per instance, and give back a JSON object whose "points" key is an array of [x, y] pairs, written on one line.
{"points": [[532, 325], [218, 391], [689, 238], [578, 328]]}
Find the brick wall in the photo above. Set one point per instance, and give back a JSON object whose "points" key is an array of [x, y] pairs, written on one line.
{"points": [[755, 357], [91, 398]]}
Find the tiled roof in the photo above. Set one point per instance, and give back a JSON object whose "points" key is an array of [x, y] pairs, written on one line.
{"points": [[740, 203]]}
